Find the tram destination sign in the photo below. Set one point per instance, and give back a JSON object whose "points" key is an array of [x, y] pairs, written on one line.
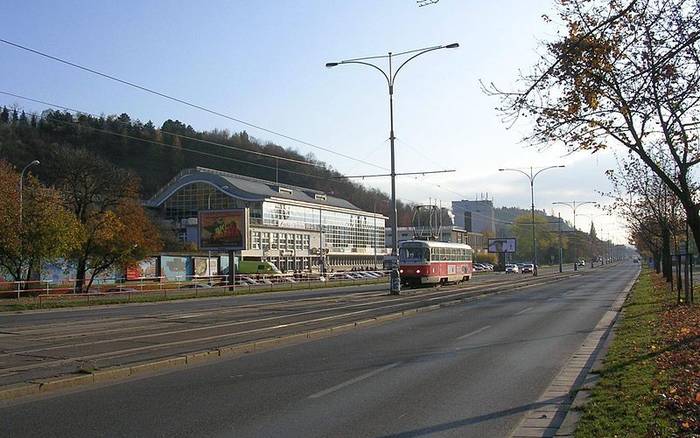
{"points": [[502, 245], [223, 230]]}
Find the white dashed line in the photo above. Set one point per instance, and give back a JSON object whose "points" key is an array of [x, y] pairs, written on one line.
{"points": [[523, 311], [353, 381], [474, 332]]}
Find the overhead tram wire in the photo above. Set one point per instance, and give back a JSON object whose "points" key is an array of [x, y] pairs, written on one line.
{"points": [[193, 151], [185, 102], [262, 154]]}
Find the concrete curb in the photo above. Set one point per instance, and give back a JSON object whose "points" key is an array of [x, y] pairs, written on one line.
{"points": [[554, 416], [34, 387]]}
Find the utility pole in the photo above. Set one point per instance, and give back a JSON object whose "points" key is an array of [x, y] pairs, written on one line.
{"points": [[390, 77], [531, 176], [574, 205], [561, 250]]}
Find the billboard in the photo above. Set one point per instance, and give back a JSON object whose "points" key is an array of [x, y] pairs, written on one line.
{"points": [[504, 244], [173, 267], [146, 268], [205, 266], [223, 229]]}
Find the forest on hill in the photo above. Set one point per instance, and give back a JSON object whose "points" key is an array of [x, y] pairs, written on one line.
{"points": [[156, 154]]}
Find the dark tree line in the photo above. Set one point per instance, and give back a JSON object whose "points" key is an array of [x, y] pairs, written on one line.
{"points": [[156, 154]]}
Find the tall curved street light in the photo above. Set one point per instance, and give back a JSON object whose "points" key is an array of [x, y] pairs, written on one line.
{"points": [[574, 205], [21, 188], [531, 176], [390, 77]]}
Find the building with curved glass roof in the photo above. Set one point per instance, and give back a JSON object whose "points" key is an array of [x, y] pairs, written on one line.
{"points": [[294, 227]]}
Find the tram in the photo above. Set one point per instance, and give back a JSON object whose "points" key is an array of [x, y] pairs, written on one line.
{"points": [[430, 262]]}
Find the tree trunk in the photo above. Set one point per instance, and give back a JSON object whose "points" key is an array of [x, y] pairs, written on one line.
{"points": [[657, 261], [28, 278], [80, 275], [666, 253], [694, 224]]}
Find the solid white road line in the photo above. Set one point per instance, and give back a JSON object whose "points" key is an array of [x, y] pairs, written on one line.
{"points": [[474, 332], [523, 311], [355, 380]]}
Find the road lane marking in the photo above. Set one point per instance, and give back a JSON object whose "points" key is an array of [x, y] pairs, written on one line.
{"points": [[474, 332], [451, 294], [353, 381], [191, 315], [523, 311]]}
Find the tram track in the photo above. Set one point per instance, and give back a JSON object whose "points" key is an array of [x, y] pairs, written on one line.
{"points": [[171, 336]]}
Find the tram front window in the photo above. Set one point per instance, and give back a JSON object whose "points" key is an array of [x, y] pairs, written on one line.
{"points": [[414, 254]]}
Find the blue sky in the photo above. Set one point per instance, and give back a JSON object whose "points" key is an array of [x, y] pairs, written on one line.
{"points": [[263, 62]]}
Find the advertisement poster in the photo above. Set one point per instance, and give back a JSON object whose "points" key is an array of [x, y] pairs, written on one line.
{"points": [[223, 229], [174, 267], [205, 266], [145, 269], [502, 245]]}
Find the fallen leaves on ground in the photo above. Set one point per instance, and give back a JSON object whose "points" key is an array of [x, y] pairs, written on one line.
{"points": [[679, 360]]}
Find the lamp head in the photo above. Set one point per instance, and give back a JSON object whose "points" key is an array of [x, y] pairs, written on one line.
{"points": [[331, 64], [452, 46], [34, 163]]}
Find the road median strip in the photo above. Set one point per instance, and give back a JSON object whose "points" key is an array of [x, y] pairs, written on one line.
{"points": [[183, 360]]}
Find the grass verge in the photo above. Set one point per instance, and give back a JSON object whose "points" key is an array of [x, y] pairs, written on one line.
{"points": [[626, 401]]}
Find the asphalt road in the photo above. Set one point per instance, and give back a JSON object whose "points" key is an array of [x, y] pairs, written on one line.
{"points": [[469, 370], [39, 345]]}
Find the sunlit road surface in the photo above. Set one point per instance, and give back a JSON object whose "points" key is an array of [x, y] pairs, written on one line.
{"points": [[38, 345], [466, 370]]}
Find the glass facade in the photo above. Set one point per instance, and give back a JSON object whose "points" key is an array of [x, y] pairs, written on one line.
{"points": [[342, 232], [189, 200], [286, 234]]}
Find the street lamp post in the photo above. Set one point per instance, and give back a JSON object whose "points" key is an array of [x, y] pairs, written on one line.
{"points": [[591, 217], [531, 176], [21, 188], [574, 205], [390, 77]]}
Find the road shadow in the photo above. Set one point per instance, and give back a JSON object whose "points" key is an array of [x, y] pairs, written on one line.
{"points": [[437, 428]]}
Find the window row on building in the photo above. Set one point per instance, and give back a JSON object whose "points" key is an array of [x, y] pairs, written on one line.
{"points": [[271, 240]]}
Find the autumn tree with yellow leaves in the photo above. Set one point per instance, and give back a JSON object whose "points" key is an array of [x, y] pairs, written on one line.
{"points": [[624, 73], [46, 231]]}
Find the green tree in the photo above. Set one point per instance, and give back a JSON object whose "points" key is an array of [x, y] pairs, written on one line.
{"points": [[45, 232], [547, 240]]}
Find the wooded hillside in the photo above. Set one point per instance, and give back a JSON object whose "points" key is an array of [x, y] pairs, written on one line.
{"points": [[156, 154]]}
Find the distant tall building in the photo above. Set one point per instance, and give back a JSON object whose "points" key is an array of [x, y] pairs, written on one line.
{"points": [[476, 216]]}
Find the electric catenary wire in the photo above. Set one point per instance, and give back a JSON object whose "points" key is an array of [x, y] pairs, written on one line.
{"points": [[262, 154], [184, 102], [180, 148]]}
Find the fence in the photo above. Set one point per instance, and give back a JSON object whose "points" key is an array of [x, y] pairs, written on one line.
{"points": [[44, 291]]}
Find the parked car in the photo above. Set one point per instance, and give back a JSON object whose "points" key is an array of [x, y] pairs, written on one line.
{"points": [[196, 286], [121, 289], [478, 267], [248, 279], [512, 269], [527, 268]]}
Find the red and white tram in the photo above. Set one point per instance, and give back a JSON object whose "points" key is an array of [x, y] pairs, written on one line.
{"points": [[430, 262]]}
